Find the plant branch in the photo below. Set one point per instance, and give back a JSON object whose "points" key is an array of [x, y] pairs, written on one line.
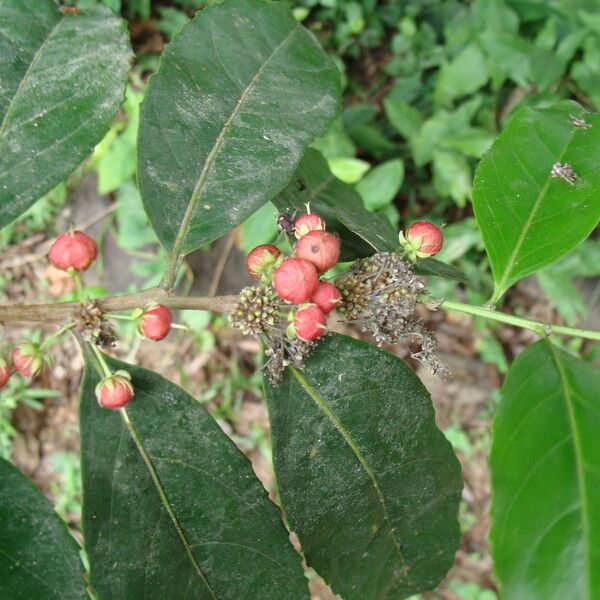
{"points": [[63, 311], [542, 329]]}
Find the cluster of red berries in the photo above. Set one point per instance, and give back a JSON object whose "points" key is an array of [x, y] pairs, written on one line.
{"points": [[74, 252], [296, 279]]}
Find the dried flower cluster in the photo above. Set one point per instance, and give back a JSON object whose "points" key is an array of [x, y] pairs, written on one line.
{"points": [[258, 312], [288, 309], [379, 294]]}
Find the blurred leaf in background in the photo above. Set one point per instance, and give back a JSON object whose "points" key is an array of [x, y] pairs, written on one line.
{"points": [[561, 281]]}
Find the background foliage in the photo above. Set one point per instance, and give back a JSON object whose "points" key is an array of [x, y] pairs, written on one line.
{"points": [[428, 86]]}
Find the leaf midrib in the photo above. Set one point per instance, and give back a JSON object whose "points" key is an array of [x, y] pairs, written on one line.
{"points": [[500, 286], [323, 406], [164, 499], [33, 62], [214, 152], [578, 451]]}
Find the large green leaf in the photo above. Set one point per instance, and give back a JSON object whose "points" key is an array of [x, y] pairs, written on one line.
{"points": [[175, 510], [527, 217], [360, 231], [368, 482], [545, 463], [62, 78], [38, 556], [436, 268], [239, 94]]}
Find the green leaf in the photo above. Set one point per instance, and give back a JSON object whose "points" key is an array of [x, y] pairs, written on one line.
{"points": [[379, 187], [260, 228], [349, 170], [115, 158], [527, 217], [442, 126], [362, 233], [586, 72], [240, 93], [509, 56], [175, 510], [465, 74], [370, 139], [495, 15], [437, 268], [38, 556], [134, 231], [471, 141], [336, 142], [557, 280], [62, 78], [367, 481], [405, 118], [452, 176], [545, 462]]}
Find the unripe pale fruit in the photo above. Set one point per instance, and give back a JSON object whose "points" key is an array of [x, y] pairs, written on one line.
{"points": [[115, 391], [422, 239], [5, 371], [309, 322], [155, 322], [320, 248], [296, 280], [28, 359], [326, 297], [261, 261], [73, 250], [307, 223]]}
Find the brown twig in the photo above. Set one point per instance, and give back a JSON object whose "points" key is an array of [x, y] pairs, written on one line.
{"points": [[60, 312]]}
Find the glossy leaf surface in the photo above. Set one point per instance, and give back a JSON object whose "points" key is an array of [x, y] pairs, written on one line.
{"points": [[361, 232], [545, 463], [38, 556], [177, 512], [436, 268], [528, 217], [367, 481], [240, 93], [62, 78]]}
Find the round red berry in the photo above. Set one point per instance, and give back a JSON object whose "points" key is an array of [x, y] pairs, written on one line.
{"points": [[115, 391], [155, 322], [425, 238], [320, 248], [307, 223], [326, 297], [262, 260], [5, 371], [28, 359], [309, 322], [73, 250], [296, 280]]}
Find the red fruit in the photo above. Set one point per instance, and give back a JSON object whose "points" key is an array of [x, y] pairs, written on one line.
{"points": [[28, 359], [320, 248], [309, 322], [261, 261], [115, 391], [422, 239], [326, 297], [155, 322], [307, 223], [296, 280], [5, 371], [73, 250]]}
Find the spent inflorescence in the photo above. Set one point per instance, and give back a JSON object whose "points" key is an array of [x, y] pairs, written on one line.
{"points": [[288, 308]]}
